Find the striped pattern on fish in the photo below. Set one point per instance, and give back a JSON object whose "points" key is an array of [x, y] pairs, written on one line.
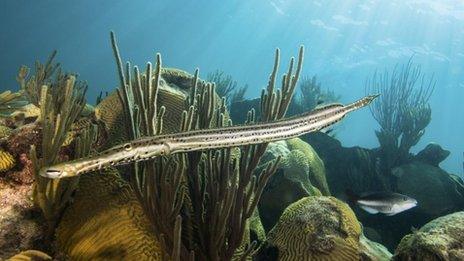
{"points": [[147, 148]]}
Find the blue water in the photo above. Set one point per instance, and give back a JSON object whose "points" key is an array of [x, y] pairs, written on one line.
{"points": [[346, 41]]}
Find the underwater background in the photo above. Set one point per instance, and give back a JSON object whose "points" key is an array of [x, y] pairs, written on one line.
{"points": [[346, 42], [383, 183]]}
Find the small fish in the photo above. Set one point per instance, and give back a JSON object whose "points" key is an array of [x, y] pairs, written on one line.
{"points": [[388, 203], [319, 102]]}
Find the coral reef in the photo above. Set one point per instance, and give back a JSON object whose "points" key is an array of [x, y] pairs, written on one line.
{"points": [[60, 105], [174, 87], [170, 202], [10, 102], [432, 154], [440, 239], [106, 222], [436, 194], [5, 131], [59, 99], [353, 168], [298, 169], [20, 226], [316, 166], [358, 169], [257, 232], [315, 228], [372, 251]]}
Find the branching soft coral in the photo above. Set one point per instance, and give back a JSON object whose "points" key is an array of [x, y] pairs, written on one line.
{"points": [[402, 111], [199, 202]]}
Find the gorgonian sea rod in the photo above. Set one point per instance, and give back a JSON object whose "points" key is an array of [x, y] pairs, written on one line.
{"points": [[150, 147]]}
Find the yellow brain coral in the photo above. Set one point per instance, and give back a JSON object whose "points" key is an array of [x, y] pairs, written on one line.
{"points": [[316, 228], [106, 222], [7, 161], [175, 86]]}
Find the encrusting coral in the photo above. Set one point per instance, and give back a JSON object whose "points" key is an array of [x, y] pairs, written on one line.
{"points": [[315, 228]]}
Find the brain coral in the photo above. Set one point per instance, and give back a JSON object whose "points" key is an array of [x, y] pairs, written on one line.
{"points": [[316, 228], [106, 222], [6, 161], [299, 167], [440, 239], [175, 86]]}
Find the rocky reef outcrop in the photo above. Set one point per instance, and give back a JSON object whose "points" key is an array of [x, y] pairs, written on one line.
{"points": [[438, 193], [435, 190], [440, 239]]}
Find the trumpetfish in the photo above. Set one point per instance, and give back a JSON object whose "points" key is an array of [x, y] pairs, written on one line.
{"points": [[147, 148]]}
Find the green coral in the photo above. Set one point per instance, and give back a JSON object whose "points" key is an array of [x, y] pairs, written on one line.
{"points": [[316, 228], [296, 168], [299, 168], [256, 228], [316, 171], [440, 239]]}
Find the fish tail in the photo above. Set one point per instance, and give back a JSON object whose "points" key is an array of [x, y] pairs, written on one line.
{"points": [[352, 196]]}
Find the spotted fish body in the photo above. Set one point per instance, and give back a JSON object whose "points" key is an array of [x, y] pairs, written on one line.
{"points": [[150, 147]]}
